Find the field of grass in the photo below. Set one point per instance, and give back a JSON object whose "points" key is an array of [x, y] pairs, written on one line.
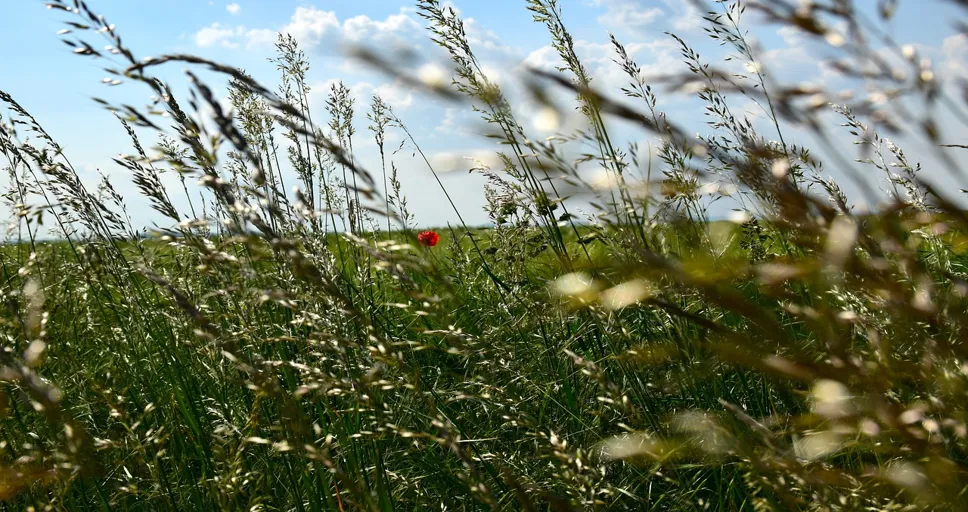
{"points": [[306, 351]]}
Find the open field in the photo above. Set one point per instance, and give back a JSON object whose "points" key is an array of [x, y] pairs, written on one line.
{"points": [[315, 350]]}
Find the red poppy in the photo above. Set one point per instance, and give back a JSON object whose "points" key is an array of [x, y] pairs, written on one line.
{"points": [[428, 238]]}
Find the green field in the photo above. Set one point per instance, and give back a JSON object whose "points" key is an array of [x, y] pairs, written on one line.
{"points": [[306, 351]]}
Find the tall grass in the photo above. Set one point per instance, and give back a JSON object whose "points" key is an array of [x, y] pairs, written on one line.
{"points": [[289, 345]]}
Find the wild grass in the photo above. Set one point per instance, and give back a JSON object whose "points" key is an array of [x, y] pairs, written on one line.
{"points": [[289, 345]]}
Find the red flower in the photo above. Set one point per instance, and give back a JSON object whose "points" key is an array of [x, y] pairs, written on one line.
{"points": [[428, 238]]}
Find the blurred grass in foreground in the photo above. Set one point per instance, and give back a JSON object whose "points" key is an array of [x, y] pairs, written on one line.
{"points": [[300, 350]]}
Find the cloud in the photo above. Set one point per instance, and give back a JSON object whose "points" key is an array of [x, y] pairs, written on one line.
{"points": [[658, 57], [685, 16], [449, 123], [233, 37], [216, 33], [310, 26], [465, 160], [233, 8], [359, 28], [323, 32], [320, 31], [260, 37], [954, 53], [397, 94], [458, 122], [630, 15]]}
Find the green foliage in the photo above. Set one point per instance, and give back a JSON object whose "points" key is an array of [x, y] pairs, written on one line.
{"points": [[273, 350]]}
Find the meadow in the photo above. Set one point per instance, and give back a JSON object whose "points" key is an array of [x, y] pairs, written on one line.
{"points": [[305, 346]]}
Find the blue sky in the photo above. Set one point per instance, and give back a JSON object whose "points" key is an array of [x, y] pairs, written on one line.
{"points": [[57, 86]]}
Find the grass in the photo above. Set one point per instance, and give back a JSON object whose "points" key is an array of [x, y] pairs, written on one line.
{"points": [[302, 351]]}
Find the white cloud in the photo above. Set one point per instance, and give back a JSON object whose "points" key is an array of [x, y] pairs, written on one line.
{"points": [[310, 26], [260, 37], [486, 43], [459, 122], [397, 94], [360, 28], [316, 29], [685, 16], [320, 30], [464, 160], [630, 15], [658, 57], [216, 33], [233, 8], [229, 37], [544, 58], [792, 36], [954, 52], [449, 122]]}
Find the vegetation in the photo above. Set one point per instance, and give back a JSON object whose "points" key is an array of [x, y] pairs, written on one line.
{"points": [[277, 350]]}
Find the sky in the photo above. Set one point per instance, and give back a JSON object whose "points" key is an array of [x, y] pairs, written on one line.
{"points": [[42, 74]]}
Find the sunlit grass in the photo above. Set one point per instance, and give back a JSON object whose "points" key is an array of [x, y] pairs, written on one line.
{"points": [[307, 350]]}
